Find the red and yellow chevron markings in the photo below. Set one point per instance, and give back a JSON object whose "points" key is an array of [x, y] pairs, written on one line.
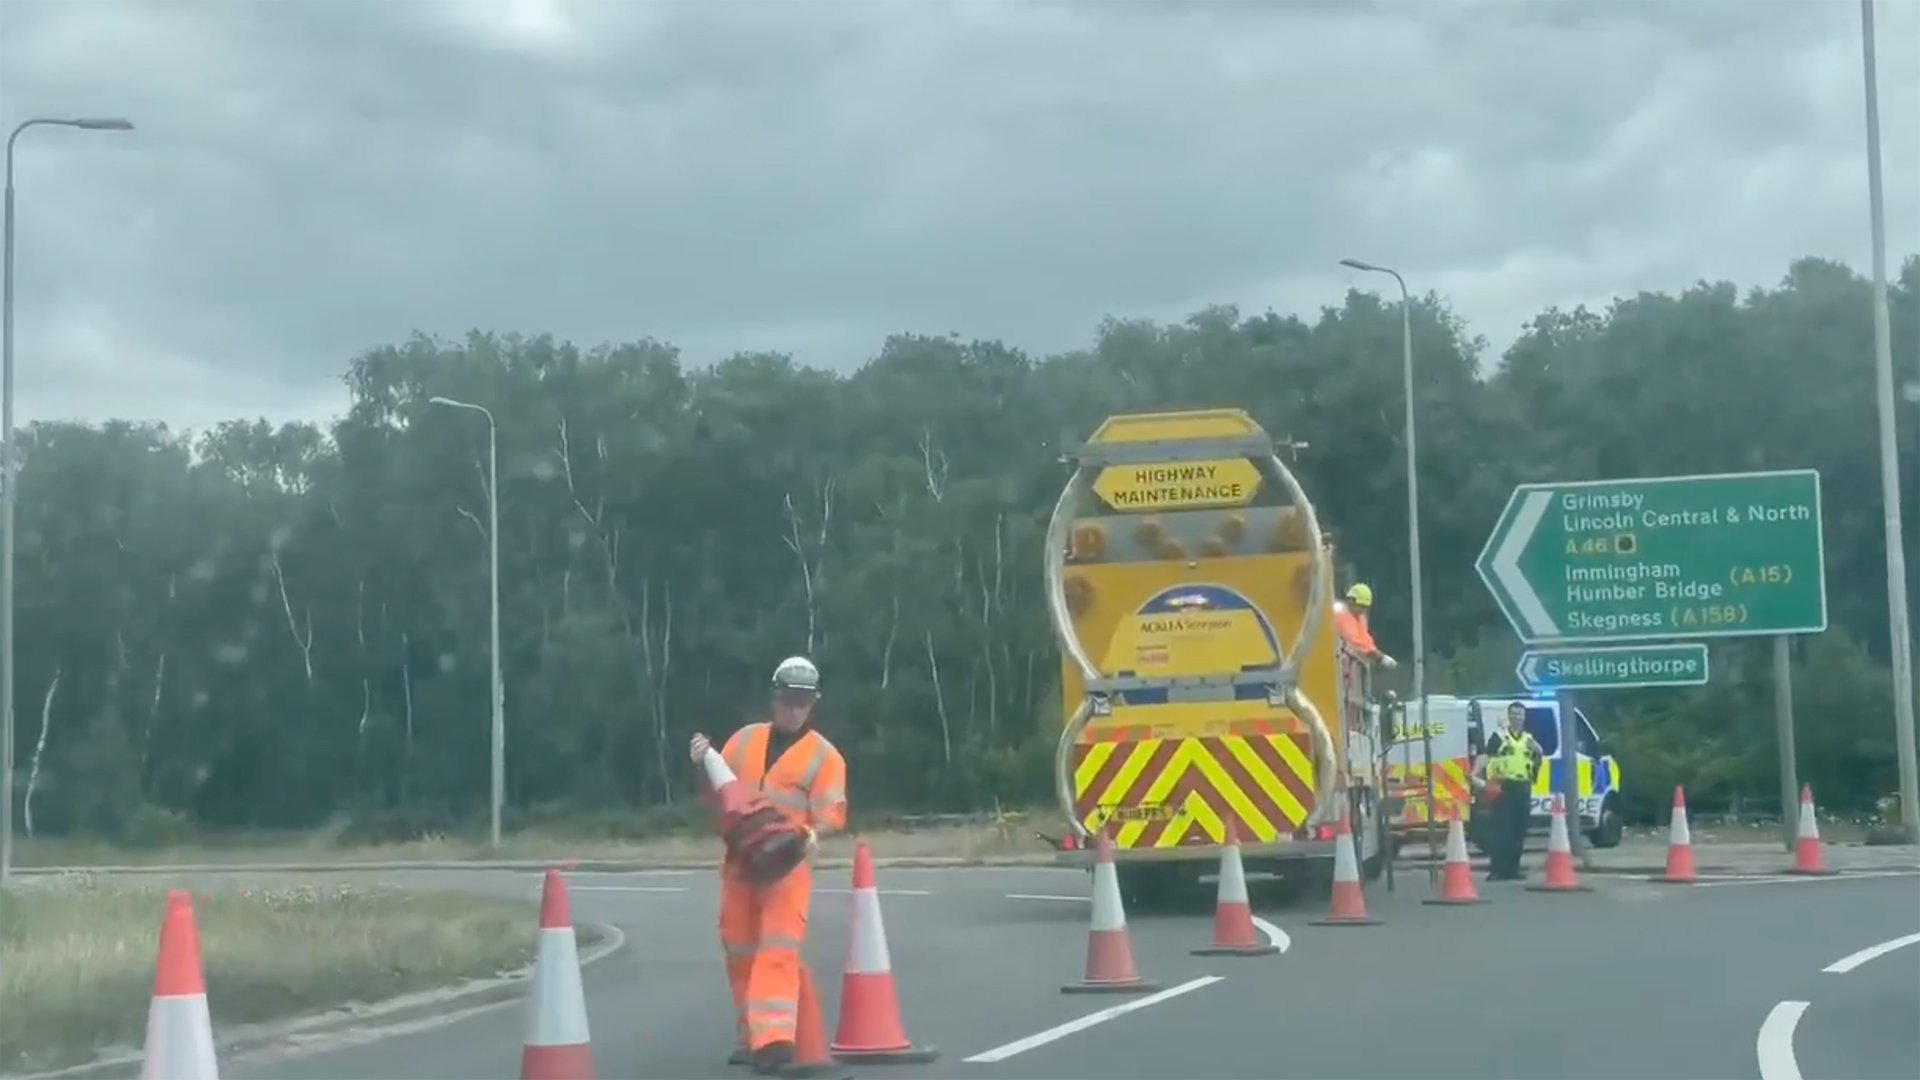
{"points": [[1165, 792]]}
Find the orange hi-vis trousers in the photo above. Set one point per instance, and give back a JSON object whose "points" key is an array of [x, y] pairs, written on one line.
{"points": [[762, 931]]}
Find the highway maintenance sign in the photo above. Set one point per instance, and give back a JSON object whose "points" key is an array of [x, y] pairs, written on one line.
{"points": [[1727, 555], [1178, 485], [1620, 667]]}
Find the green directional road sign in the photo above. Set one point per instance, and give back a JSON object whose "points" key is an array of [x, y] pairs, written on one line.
{"points": [[1737, 554], [1615, 667]]}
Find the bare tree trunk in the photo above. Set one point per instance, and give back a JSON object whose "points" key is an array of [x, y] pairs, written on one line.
{"points": [[293, 626], [660, 694], [39, 749], [812, 570], [940, 703], [893, 631], [406, 741]]}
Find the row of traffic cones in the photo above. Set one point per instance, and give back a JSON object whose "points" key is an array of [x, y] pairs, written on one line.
{"points": [[558, 1044], [1807, 859]]}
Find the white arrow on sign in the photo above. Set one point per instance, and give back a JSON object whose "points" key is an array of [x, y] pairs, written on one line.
{"points": [[1506, 564], [1530, 669]]}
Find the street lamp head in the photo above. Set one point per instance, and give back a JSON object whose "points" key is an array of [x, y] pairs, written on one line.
{"points": [[1356, 264], [438, 400], [103, 123]]}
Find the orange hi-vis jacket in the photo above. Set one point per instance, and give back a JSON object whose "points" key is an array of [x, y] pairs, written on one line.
{"points": [[1352, 626], [762, 930]]}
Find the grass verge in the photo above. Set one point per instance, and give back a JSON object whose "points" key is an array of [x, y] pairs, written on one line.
{"points": [[1008, 835], [77, 956]]}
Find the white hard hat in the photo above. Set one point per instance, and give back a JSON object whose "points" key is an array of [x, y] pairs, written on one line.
{"points": [[796, 673]]}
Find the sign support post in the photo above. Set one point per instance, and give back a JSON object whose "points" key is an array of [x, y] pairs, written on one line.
{"points": [[1783, 721]]}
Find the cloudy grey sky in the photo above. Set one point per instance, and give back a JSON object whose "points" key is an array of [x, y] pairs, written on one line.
{"points": [[314, 177]]}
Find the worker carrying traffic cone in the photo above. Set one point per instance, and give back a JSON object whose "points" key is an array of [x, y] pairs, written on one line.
{"points": [[764, 926]]}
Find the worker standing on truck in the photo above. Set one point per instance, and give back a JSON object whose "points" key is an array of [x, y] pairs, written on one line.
{"points": [[762, 930], [1350, 619], [1504, 774]]}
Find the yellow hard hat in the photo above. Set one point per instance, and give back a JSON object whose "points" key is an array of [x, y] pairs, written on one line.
{"points": [[1360, 594]]}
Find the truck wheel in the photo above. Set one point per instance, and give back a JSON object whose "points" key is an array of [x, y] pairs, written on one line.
{"points": [[1607, 833]]}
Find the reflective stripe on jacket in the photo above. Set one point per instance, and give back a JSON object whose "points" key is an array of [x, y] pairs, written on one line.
{"points": [[808, 783]]}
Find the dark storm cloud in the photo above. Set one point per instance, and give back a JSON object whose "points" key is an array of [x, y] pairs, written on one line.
{"points": [[313, 178]]}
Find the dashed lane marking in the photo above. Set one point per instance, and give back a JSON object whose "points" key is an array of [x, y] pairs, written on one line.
{"points": [[1774, 1047], [1048, 896], [1094, 1019], [1848, 963]]}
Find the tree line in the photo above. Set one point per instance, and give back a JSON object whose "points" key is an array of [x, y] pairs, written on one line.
{"points": [[261, 626]]}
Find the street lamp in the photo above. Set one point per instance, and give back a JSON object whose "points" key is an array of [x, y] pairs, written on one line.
{"points": [[1900, 638], [499, 735], [1413, 488], [8, 476]]}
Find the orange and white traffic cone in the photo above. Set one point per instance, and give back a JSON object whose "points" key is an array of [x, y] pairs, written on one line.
{"points": [[1456, 877], [179, 1029], [1560, 876], [1109, 950], [1233, 931], [870, 1030], [809, 1035], [1807, 861], [1679, 844], [557, 1044], [1348, 905]]}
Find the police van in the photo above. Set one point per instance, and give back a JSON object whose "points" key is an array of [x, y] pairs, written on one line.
{"points": [[1460, 728]]}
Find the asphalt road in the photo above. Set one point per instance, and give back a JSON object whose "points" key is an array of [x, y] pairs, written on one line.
{"points": [[1632, 980]]}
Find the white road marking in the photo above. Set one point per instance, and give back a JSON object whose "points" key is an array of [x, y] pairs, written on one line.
{"points": [[1275, 935], [1021, 1046], [626, 888], [1775, 1044], [882, 892], [1856, 875], [1848, 963], [1048, 896]]}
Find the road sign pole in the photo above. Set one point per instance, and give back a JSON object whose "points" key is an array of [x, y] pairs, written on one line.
{"points": [[1570, 779], [1783, 722]]}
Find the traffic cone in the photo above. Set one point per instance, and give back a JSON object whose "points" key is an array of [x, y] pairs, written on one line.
{"points": [[1456, 878], [557, 1044], [1679, 844], [179, 1029], [870, 1029], [1807, 860], [809, 1035], [1109, 950], [1560, 876], [1348, 906], [1233, 931]]}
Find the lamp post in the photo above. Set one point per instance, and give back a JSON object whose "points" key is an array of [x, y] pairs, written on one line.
{"points": [[499, 694], [1413, 492], [9, 476], [1900, 637]]}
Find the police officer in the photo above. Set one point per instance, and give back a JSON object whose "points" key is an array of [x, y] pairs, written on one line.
{"points": [[1504, 774]]}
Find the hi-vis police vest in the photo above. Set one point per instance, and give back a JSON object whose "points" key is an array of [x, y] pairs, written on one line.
{"points": [[1514, 762]]}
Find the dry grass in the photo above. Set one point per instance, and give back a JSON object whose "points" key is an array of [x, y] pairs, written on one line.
{"points": [[1004, 836], [77, 956]]}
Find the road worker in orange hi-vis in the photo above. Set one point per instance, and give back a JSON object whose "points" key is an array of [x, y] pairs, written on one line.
{"points": [[1350, 619], [762, 929]]}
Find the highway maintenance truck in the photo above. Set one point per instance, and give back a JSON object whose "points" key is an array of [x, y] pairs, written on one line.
{"points": [[1203, 684]]}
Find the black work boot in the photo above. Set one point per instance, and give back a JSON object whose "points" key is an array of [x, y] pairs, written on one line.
{"points": [[740, 1056], [771, 1058]]}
